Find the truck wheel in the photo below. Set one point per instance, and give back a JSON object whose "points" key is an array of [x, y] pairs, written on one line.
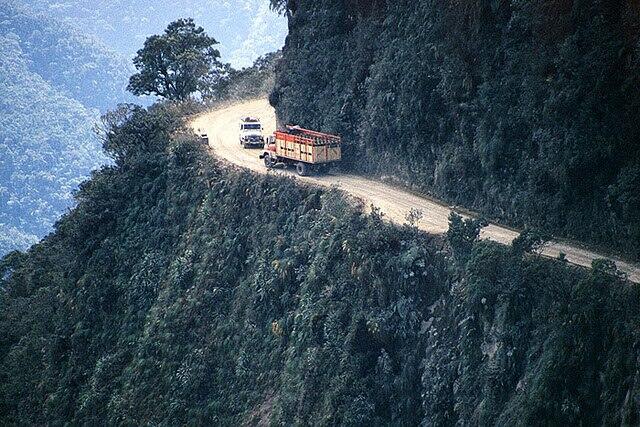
{"points": [[268, 162], [302, 169]]}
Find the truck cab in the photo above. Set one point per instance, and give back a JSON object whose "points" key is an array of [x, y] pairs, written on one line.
{"points": [[251, 133]]}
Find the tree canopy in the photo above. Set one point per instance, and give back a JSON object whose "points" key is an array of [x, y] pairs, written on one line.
{"points": [[177, 63]]}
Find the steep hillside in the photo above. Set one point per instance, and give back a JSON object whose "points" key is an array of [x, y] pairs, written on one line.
{"points": [[47, 147], [73, 63], [525, 111], [53, 84], [180, 291]]}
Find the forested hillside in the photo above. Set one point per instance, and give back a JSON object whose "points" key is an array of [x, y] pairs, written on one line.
{"points": [[251, 82], [47, 147], [73, 63], [180, 291], [525, 111], [54, 82]]}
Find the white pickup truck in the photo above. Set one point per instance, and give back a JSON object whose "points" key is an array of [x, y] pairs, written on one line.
{"points": [[251, 133]]}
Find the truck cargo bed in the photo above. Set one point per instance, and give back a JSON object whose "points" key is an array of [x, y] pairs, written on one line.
{"points": [[308, 146]]}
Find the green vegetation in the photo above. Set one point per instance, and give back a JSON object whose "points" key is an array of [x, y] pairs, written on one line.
{"points": [[47, 148], [177, 63], [52, 83], [248, 83], [182, 61], [72, 63], [182, 292], [524, 111]]}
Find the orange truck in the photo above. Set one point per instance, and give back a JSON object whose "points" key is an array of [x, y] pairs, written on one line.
{"points": [[305, 149]]}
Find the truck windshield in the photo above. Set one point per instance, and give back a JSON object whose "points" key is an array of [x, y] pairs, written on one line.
{"points": [[252, 126]]}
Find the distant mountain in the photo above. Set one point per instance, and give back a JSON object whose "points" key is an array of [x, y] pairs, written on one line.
{"points": [[73, 63], [53, 84], [62, 63], [47, 148], [245, 29]]}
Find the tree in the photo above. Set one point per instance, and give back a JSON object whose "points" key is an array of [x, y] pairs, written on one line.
{"points": [[283, 7], [176, 64], [279, 6], [463, 233], [529, 241]]}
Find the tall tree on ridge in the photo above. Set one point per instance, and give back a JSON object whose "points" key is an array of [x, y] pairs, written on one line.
{"points": [[175, 64]]}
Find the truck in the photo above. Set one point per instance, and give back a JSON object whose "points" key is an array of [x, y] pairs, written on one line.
{"points": [[307, 150], [251, 133]]}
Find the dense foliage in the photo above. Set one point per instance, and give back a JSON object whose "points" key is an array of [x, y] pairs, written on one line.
{"points": [[248, 83], [47, 148], [53, 80], [182, 292], [80, 67], [526, 111]]}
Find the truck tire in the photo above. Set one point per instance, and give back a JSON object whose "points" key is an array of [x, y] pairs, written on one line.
{"points": [[302, 169], [268, 162]]}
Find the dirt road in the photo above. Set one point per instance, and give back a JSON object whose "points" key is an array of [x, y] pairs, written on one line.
{"points": [[222, 127]]}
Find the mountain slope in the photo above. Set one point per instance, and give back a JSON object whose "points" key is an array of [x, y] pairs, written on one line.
{"points": [[70, 61], [524, 111], [396, 204], [180, 291], [54, 82], [47, 147]]}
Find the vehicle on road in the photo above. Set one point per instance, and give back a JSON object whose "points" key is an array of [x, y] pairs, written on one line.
{"points": [[305, 149], [203, 137], [251, 133]]}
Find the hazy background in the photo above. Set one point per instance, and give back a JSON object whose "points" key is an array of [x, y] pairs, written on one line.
{"points": [[62, 64], [245, 29]]}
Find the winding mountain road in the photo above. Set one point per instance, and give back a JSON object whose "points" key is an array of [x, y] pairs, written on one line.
{"points": [[222, 128]]}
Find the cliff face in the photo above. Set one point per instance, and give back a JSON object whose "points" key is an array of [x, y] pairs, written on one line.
{"points": [[524, 111], [181, 291]]}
